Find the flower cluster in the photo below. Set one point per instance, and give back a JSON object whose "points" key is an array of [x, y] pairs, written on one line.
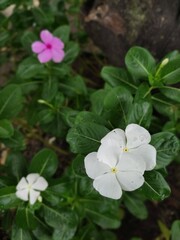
{"points": [[51, 48], [29, 188], [121, 160]]}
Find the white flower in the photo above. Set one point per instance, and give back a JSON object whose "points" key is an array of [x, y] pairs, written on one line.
{"points": [[121, 161], [29, 188]]}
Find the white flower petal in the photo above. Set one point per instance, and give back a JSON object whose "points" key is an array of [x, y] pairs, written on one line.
{"points": [[148, 153], [130, 181], [93, 167], [22, 194], [129, 162], [32, 178], [40, 184], [22, 184], [109, 154], [115, 137], [108, 186], [33, 196], [136, 136]]}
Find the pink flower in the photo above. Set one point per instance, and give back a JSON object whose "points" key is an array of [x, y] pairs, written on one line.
{"points": [[51, 48]]}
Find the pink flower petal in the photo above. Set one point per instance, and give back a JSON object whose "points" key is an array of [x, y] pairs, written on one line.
{"points": [[46, 36], [45, 56], [57, 43], [57, 56], [38, 47]]}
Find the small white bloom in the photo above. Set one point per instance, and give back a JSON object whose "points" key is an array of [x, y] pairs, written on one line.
{"points": [[29, 188], [134, 141], [121, 160]]}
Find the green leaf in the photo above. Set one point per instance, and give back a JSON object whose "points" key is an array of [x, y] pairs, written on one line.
{"points": [[27, 39], [8, 198], [118, 103], [25, 219], [86, 137], [6, 129], [167, 146], [104, 213], [170, 73], [175, 230], [45, 163], [118, 76], [171, 92], [16, 163], [155, 187], [63, 220], [86, 116], [29, 68], [73, 86], [140, 62], [46, 116], [20, 234], [16, 142], [135, 206], [50, 89], [4, 37], [78, 166], [62, 32], [165, 106], [97, 101], [71, 52], [141, 113], [10, 101], [5, 3], [42, 17]]}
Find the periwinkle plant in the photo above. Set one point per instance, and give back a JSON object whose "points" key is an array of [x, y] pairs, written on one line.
{"points": [[123, 136]]}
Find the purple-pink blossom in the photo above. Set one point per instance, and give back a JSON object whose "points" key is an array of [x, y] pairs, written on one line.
{"points": [[50, 48]]}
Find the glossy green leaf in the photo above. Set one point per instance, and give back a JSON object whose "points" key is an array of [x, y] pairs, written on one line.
{"points": [[27, 39], [170, 73], [61, 219], [71, 52], [165, 106], [63, 32], [135, 206], [16, 142], [45, 163], [42, 17], [25, 219], [29, 68], [86, 138], [6, 128], [85, 116], [78, 166], [46, 116], [10, 101], [118, 103], [16, 163], [118, 76], [102, 213], [175, 230], [155, 187], [140, 62], [8, 198], [167, 146], [5, 3], [20, 234], [4, 37], [171, 92], [73, 86], [50, 89], [97, 101]]}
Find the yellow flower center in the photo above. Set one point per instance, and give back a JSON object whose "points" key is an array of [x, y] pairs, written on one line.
{"points": [[114, 170], [125, 149]]}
